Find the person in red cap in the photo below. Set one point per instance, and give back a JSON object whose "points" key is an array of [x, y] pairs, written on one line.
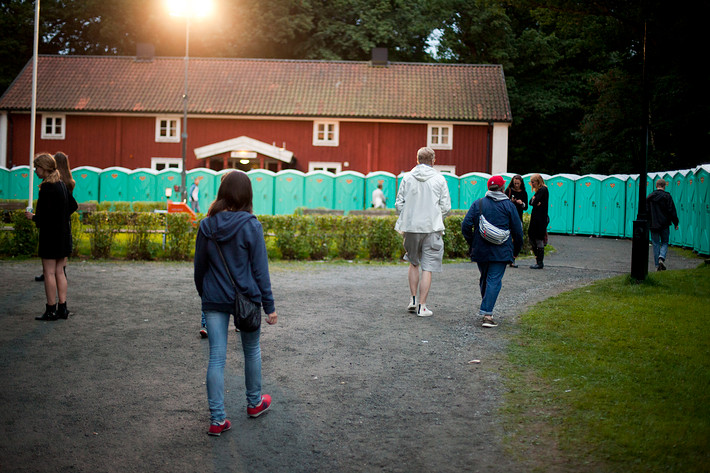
{"points": [[494, 233]]}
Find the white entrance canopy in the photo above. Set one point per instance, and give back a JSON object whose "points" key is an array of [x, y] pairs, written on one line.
{"points": [[244, 145]]}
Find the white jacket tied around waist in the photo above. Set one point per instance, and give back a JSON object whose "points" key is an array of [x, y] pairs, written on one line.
{"points": [[422, 200]]}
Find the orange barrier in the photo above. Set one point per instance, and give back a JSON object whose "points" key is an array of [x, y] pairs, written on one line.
{"points": [[178, 207]]}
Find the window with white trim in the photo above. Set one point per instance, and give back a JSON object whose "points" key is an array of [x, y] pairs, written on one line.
{"points": [[167, 130], [333, 167], [326, 133], [440, 136], [158, 164], [53, 127], [446, 168]]}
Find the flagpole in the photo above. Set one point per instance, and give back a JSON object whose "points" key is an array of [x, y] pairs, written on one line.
{"points": [[34, 105]]}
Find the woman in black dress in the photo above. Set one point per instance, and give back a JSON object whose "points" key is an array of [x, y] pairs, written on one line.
{"points": [[537, 231], [55, 205], [517, 194]]}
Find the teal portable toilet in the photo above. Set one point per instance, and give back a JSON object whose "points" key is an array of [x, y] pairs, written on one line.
{"points": [[528, 187], [632, 200], [473, 186], [454, 184], [319, 190], [19, 177], [687, 222], [349, 191], [113, 184], [87, 183], [288, 191], [587, 205], [167, 179], [389, 187], [700, 185], [262, 186], [561, 207], [676, 188], [141, 185], [4, 183], [208, 186], [613, 205]]}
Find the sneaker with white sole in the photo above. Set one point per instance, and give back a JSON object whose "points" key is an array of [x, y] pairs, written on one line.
{"points": [[412, 307], [424, 312], [488, 322], [203, 332], [661, 264], [217, 428], [261, 408]]}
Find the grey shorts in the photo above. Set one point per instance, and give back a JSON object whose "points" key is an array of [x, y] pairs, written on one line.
{"points": [[425, 249]]}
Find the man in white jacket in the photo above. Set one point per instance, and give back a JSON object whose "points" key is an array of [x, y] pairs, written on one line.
{"points": [[422, 202]]}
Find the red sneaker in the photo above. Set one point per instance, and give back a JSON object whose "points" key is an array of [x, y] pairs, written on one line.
{"points": [[261, 408], [217, 429]]}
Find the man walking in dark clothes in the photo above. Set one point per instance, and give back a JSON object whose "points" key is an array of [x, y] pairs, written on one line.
{"points": [[661, 212]]}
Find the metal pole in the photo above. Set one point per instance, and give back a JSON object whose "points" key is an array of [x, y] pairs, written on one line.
{"points": [[183, 190], [33, 113]]}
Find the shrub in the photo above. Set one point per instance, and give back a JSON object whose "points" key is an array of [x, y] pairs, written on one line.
{"points": [[181, 236], [318, 231], [25, 237], [140, 246], [77, 229], [289, 230], [383, 241], [455, 245], [103, 225], [350, 234]]}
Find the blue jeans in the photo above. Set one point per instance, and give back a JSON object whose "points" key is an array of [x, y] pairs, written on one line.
{"points": [[491, 282], [218, 328], [660, 244]]}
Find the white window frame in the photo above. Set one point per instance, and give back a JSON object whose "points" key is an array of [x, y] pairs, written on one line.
{"points": [[54, 134], [446, 168], [331, 138], [167, 162], [324, 166], [174, 138], [434, 135]]}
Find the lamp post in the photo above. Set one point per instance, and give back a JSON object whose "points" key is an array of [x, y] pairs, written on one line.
{"points": [[187, 9]]}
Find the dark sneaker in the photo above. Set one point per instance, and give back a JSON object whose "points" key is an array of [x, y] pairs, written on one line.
{"points": [[203, 332], [261, 408], [488, 322], [217, 429], [537, 266], [661, 264], [39, 278]]}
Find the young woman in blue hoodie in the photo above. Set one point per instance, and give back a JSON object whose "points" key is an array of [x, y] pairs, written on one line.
{"points": [[231, 225]]}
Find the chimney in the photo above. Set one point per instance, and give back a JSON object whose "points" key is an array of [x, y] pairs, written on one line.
{"points": [[379, 57], [145, 52]]}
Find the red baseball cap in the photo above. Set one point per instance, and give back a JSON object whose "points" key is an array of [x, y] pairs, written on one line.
{"points": [[496, 181]]}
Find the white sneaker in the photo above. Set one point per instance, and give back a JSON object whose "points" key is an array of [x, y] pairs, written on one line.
{"points": [[424, 312], [412, 307]]}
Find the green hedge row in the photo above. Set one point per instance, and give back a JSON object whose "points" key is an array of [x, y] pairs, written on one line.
{"points": [[149, 236]]}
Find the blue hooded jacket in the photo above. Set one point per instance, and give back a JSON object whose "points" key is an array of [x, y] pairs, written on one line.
{"points": [[501, 212], [241, 239]]}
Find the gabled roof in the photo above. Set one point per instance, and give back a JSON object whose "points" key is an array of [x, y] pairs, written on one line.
{"points": [[260, 87], [244, 142]]}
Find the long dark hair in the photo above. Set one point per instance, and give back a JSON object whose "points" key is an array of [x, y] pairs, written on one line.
{"points": [[510, 184], [64, 171], [234, 194]]}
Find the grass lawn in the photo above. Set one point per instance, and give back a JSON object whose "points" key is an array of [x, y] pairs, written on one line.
{"points": [[615, 376]]}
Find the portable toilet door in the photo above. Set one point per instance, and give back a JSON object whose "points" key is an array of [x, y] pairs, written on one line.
{"points": [[207, 187], [686, 226], [587, 204], [262, 185], [454, 184], [561, 206], [613, 205], [288, 191], [141, 185], [389, 187], [4, 183], [87, 183], [632, 200], [113, 184], [349, 191], [168, 179], [473, 186], [529, 189], [701, 189], [319, 190], [675, 187]]}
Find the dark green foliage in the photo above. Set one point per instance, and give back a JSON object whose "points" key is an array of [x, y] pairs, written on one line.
{"points": [[349, 241], [140, 247], [25, 237], [77, 229], [455, 245], [383, 242], [181, 235], [103, 225]]}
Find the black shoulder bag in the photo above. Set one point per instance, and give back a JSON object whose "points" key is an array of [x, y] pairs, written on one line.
{"points": [[247, 313]]}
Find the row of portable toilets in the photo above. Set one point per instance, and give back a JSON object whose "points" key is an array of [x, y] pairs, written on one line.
{"points": [[582, 205]]}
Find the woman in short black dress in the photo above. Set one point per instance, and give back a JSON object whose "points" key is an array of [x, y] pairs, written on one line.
{"points": [[518, 195], [537, 230]]}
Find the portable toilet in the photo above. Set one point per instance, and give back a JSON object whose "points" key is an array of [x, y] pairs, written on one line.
{"points": [[349, 191], [676, 188], [87, 183], [686, 227], [4, 183], [113, 184], [208, 185], [262, 185], [319, 191], [561, 204], [529, 189], [288, 191], [587, 205], [613, 205], [167, 179], [389, 187], [701, 190], [141, 185], [632, 200], [454, 184], [473, 186], [19, 182]]}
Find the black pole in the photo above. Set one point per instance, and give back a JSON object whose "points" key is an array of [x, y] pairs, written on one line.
{"points": [[639, 244]]}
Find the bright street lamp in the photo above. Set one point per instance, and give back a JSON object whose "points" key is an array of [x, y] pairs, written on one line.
{"points": [[187, 9]]}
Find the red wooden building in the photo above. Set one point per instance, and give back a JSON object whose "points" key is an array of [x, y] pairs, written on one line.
{"points": [[247, 113]]}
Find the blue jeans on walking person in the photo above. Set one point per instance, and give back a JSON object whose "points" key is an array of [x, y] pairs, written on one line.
{"points": [[218, 328], [491, 282], [660, 244]]}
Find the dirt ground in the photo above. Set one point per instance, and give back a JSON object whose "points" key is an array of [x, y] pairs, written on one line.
{"points": [[358, 383]]}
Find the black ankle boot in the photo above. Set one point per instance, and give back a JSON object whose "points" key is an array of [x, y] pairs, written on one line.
{"points": [[50, 313], [539, 256], [62, 311]]}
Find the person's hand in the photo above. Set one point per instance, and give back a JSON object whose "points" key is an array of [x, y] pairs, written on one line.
{"points": [[272, 318], [29, 215]]}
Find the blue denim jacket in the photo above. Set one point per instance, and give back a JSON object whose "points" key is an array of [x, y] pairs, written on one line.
{"points": [[501, 212]]}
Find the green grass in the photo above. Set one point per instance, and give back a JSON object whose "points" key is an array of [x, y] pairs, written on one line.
{"points": [[615, 377]]}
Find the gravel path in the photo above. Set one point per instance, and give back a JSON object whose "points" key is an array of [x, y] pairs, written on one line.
{"points": [[359, 384]]}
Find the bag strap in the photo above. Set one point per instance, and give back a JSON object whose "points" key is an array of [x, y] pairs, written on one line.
{"points": [[224, 261]]}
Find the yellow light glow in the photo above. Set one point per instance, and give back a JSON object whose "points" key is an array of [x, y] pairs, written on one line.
{"points": [[192, 8], [244, 161]]}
